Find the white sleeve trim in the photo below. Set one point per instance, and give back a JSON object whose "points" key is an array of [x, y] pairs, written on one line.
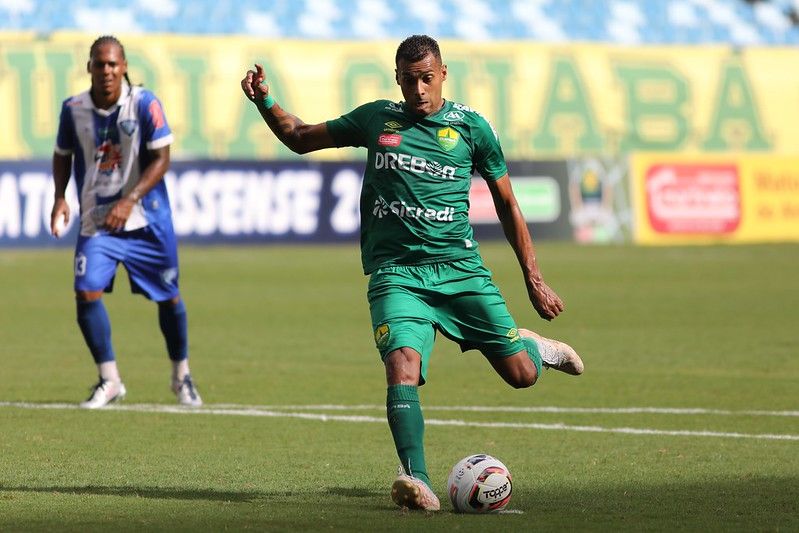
{"points": [[62, 151], [161, 142]]}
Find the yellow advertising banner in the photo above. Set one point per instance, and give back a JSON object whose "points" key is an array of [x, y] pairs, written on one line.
{"points": [[699, 199], [546, 101]]}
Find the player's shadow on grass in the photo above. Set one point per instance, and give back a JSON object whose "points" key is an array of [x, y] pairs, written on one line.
{"points": [[171, 493], [158, 493], [354, 492]]}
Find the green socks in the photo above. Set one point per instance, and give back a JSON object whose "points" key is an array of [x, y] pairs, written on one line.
{"points": [[407, 427], [532, 351]]}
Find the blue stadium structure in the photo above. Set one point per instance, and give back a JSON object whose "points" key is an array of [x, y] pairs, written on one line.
{"points": [[627, 22]]}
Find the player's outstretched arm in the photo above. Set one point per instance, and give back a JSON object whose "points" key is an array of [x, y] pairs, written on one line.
{"points": [[298, 136], [545, 301]]}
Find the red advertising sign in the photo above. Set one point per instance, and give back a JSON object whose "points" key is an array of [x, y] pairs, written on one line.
{"points": [[693, 198], [481, 204]]}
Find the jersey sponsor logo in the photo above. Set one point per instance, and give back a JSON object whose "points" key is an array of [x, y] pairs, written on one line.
{"points": [[413, 163], [448, 138], [128, 126], [513, 334], [389, 139], [462, 107], [454, 116], [401, 209], [108, 157], [393, 125], [381, 209]]}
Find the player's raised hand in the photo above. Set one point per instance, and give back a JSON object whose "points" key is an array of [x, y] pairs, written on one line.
{"points": [[254, 84], [545, 301]]}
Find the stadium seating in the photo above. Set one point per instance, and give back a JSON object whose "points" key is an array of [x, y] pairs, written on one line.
{"points": [[633, 22]]}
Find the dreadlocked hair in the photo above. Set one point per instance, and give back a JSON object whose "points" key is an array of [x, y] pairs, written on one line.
{"points": [[108, 39]]}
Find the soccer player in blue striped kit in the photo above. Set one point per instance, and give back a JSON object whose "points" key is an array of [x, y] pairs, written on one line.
{"points": [[116, 139]]}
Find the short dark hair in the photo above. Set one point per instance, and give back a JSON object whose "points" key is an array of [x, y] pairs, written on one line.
{"points": [[416, 47]]}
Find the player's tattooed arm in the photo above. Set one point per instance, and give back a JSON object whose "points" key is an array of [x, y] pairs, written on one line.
{"points": [[298, 136]]}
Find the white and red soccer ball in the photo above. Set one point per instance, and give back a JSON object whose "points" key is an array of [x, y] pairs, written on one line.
{"points": [[479, 484]]}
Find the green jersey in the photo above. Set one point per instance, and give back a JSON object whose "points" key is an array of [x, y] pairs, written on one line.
{"points": [[415, 194]]}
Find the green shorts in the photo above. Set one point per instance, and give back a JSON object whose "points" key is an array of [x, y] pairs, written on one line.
{"points": [[409, 304]]}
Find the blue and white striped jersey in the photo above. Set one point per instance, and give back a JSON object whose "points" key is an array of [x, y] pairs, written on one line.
{"points": [[110, 149]]}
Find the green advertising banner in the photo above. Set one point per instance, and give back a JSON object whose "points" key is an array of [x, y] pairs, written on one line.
{"points": [[546, 101]]}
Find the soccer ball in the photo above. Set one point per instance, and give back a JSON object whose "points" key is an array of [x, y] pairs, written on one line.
{"points": [[479, 484]]}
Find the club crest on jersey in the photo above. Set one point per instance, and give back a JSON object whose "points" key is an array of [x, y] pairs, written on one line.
{"points": [[128, 126], [448, 138], [382, 335]]}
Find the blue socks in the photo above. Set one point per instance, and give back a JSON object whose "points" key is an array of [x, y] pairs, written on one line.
{"points": [[174, 326], [96, 328]]}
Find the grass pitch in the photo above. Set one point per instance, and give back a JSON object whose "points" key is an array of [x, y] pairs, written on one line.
{"points": [[687, 417]]}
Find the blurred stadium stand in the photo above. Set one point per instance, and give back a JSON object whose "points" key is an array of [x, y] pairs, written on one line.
{"points": [[628, 22]]}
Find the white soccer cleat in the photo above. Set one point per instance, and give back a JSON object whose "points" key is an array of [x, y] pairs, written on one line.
{"points": [[413, 493], [186, 392], [556, 354], [104, 393]]}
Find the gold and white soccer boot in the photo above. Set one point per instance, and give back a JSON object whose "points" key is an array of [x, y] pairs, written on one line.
{"points": [[556, 354], [413, 493], [186, 392], [103, 393]]}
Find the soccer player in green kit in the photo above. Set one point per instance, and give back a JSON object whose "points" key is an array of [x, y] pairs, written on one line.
{"points": [[426, 274]]}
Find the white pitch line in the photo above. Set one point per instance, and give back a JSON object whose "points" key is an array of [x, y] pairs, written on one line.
{"points": [[259, 412], [533, 409]]}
